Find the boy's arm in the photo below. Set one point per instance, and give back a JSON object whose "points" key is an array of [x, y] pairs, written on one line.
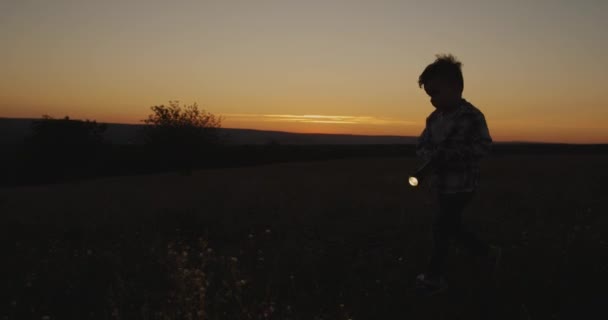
{"points": [[476, 144], [423, 147]]}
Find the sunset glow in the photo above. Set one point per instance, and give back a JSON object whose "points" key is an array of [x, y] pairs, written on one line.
{"points": [[537, 69]]}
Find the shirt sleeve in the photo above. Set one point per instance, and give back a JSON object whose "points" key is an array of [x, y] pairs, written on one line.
{"points": [[424, 147]]}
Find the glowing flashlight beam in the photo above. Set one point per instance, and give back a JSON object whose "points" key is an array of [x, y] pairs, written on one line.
{"points": [[413, 181]]}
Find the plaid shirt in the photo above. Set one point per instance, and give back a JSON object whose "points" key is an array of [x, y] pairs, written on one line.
{"points": [[455, 156]]}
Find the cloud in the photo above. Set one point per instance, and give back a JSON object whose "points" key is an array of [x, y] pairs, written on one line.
{"points": [[323, 119]]}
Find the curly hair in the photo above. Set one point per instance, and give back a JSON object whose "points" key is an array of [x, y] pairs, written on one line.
{"points": [[446, 67]]}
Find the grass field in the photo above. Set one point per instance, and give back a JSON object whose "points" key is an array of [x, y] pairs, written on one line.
{"points": [[339, 239]]}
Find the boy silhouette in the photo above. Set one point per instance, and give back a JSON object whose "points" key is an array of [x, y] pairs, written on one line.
{"points": [[454, 140]]}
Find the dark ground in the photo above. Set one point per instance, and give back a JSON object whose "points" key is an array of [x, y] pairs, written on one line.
{"points": [[333, 239]]}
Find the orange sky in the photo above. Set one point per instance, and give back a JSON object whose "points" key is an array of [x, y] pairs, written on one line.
{"points": [[537, 69]]}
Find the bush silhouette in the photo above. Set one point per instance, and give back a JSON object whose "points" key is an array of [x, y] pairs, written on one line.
{"points": [[179, 136], [63, 146], [66, 132]]}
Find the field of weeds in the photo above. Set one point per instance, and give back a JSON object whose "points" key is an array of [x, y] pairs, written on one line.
{"points": [[339, 239]]}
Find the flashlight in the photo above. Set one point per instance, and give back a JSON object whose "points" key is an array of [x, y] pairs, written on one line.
{"points": [[420, 174]]}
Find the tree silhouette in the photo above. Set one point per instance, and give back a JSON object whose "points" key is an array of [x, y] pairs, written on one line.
{"points": [[179, 136]]}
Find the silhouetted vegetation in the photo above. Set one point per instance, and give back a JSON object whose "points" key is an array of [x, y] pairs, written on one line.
{"points": [[60, 148], [65, 133], [181, 136]]}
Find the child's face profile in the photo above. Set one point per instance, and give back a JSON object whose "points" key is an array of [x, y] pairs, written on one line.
{"points": [[444, 94]]}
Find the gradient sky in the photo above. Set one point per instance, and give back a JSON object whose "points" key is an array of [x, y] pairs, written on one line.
{"points": [[537, 69]]}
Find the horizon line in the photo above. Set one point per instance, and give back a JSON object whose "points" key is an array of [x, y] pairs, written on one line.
{"points": [[330, 134]]}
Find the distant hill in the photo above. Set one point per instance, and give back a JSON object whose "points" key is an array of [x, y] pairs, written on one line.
{"points": [[247, 136], [13, 130]]}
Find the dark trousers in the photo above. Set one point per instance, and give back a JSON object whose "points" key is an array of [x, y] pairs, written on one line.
{"points": [[448, 226]]}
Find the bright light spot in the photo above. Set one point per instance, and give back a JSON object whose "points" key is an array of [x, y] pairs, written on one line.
{"points": [[413, 181]]}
